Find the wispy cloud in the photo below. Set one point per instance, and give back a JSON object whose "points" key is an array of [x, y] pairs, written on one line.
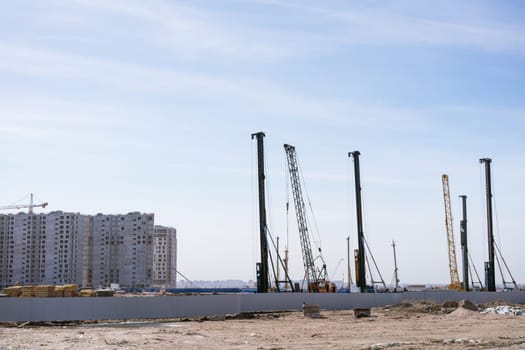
{"points": [[237, 93], [186, 30], [388, 24]]}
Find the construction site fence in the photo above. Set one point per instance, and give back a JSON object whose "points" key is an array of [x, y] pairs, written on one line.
{"points": [[151, 307]]}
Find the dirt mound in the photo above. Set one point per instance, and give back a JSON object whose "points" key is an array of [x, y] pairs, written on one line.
{"points": [[450, 304], [400, 306], [467, 304], [424, 307], [462, 313]]}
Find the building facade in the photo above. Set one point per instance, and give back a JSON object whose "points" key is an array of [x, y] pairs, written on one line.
{"points": [[41, 248], [165, 257], [91, 251]]}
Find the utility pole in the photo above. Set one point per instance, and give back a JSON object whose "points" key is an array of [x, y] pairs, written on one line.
{"points": [[464, 242], [490, 273], [361, 277], [277, 254], [348, 263], [262, 267], [396, 278]]}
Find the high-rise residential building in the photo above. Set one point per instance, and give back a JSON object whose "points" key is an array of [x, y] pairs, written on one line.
{"points": [[41, 248], [122, 250], [92, 251], [165, 257]]}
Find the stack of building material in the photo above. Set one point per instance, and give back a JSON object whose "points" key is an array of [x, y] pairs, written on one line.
{"points": [[71, 290], [14, 291], [28, 291], [87, 293], [59, 291], [45, 291], [105, 292]]}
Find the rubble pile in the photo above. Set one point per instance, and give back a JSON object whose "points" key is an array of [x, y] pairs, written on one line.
{"points": [[504, 310]]}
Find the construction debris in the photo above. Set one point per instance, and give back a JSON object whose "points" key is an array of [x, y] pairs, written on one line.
{"points": [[312, 310], [108, 292], [362, 312], [504, 310]]}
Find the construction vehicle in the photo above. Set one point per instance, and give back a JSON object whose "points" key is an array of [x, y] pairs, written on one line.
{"points": [[452, 263], [30, 205], [317, 278], [494, 254], [360, 257], [263, 267]]}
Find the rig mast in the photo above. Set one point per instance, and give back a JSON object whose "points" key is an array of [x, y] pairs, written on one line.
{"points": [[464, 243], [452, 262], [262, 267], [360, 256], [490, 273]]}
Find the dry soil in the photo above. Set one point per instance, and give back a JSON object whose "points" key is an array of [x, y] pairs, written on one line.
{"points": [[406, 326]]}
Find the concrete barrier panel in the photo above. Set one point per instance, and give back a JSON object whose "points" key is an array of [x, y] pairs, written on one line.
{"points": [[123, 308]]}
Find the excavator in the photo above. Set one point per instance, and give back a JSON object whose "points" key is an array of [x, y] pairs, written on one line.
{"points": [[317, 278]]}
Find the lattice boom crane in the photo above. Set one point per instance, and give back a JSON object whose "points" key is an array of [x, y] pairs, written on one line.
{"points": [[316, 279], [452, 262]]}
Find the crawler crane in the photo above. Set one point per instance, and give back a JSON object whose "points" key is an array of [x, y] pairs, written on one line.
{"points": [[317, 278]]}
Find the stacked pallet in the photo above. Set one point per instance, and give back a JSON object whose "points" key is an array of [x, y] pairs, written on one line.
{"points": [[59, 291], [45, 291], [87, 293], [14, 291], [28, 291], [71, 290]]}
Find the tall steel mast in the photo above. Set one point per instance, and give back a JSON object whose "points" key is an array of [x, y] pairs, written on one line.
{"points": [[490, 273], [396, 277], [464, 242], [262, 267], [361, 273]]}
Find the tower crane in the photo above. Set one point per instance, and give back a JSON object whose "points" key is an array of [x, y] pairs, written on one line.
{"points": [[30, 205], [452, 263], [317, 279]]}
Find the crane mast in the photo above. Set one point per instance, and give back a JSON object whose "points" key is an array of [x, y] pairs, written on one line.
{"points": [[308, 259], [30, 205], [452, 263]]}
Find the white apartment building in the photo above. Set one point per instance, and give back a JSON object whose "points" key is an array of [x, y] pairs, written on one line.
{"points": [[122, 250], [92, 251], [41, 248], [165, 257]]}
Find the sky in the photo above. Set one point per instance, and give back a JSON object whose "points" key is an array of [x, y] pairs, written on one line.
{"points": [[113, 106]]}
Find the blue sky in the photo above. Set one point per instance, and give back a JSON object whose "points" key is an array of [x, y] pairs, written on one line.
{"points": [[116, 106]]}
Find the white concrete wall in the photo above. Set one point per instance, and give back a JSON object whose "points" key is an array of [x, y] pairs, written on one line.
{"points": [[121, 308]]}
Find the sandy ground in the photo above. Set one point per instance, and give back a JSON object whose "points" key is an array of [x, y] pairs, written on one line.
{"points": [[418, 326]]}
